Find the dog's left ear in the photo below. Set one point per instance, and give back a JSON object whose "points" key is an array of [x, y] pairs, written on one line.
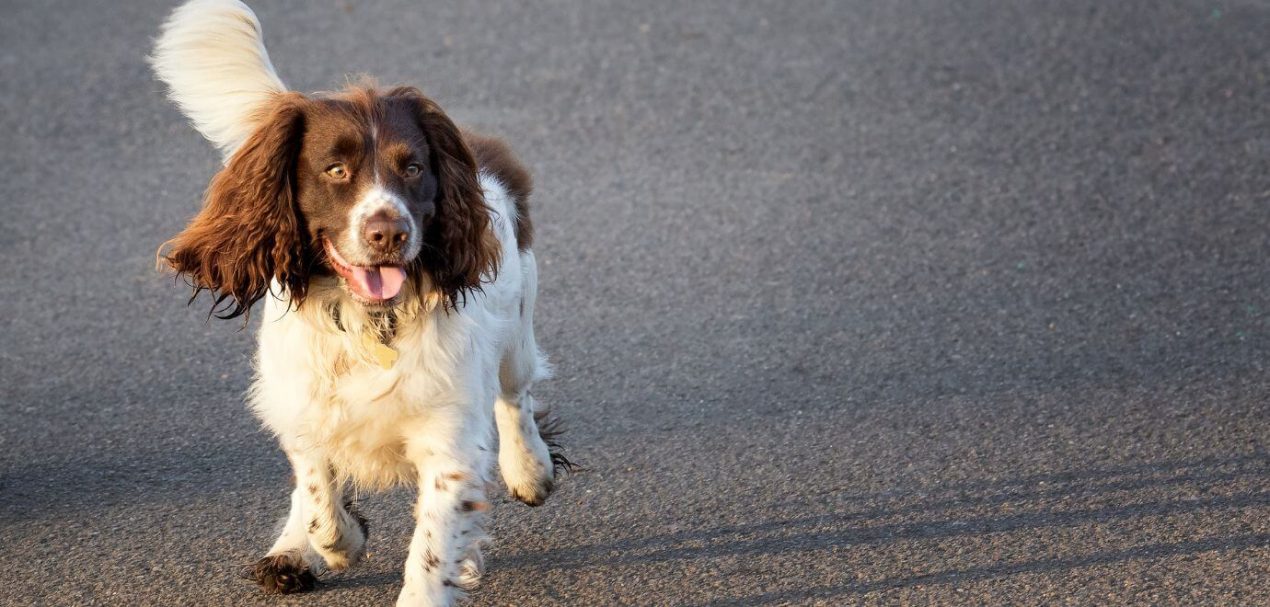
{"points": [[461, 249]]}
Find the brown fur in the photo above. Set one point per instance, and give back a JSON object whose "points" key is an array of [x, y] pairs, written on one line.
{"points": [[460, 249], [266, 212], [247, 232], [494, 155]]}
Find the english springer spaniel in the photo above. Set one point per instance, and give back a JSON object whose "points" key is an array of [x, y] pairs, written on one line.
{"points": [[388, 253]]}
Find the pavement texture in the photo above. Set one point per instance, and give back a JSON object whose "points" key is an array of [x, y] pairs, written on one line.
{"points": [[917, 302]]}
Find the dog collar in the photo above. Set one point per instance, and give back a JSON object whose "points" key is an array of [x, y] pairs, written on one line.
{"points": [[375, 342], [384, 336]]}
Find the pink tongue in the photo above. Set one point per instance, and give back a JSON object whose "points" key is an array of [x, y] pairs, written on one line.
{"points": [[379, 282]]}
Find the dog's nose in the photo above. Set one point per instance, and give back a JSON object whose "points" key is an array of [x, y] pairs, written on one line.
{"points": [[385, 232]]}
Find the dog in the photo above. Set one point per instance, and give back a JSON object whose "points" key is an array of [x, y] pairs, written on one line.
{"points": [[389, 253]]}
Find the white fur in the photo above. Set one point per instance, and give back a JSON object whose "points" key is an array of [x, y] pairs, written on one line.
{"points": [[344, 421], [378, 198], [425, 422], [212, 56]]}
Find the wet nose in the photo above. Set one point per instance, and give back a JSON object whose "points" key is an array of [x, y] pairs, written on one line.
{"points": [[385, 232]]}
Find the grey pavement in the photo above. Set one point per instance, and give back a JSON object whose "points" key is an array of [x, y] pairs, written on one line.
{"points": [[922, 302]]}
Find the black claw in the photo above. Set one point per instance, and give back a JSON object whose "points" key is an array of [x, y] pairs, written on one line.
{"points": [[281, 574]]}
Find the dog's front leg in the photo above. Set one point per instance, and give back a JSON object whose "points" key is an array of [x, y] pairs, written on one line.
{"points": [[320, 524], [290, 565], [334, 528], [444, 558]]}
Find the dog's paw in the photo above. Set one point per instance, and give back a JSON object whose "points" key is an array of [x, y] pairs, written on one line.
{"points": [[284, 573], [530, 471], [529, 479]]}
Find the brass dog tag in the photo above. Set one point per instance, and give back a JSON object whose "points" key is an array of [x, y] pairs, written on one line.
{"points": [[385, 355]]}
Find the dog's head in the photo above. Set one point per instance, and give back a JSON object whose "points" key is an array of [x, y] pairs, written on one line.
{"points": [[376, 187]]}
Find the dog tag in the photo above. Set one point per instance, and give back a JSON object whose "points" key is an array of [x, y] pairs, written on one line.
{"points": [[386, 356]]}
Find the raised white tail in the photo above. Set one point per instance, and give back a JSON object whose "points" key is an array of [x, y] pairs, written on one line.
{"points": [[212, 56]]}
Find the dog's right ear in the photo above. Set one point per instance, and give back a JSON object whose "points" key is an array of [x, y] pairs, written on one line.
{"points": [[212, 56], [248, 233]]}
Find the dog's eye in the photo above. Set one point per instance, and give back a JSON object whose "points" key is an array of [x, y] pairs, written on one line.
{"points": [[337, 171], [413, 170]]}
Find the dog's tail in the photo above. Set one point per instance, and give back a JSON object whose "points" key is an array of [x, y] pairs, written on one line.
{"points": [[211, 54]]}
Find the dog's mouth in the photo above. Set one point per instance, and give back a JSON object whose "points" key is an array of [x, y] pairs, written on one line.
{"points": [[377, 284]]}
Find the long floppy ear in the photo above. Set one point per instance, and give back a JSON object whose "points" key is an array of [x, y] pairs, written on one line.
{"points": [[461, 249], [248, 232]]}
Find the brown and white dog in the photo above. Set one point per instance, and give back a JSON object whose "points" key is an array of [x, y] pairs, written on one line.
{"points": [[390, 253]]}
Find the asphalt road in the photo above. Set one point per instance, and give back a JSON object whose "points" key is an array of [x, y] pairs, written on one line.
{"points": [[917, 302]]}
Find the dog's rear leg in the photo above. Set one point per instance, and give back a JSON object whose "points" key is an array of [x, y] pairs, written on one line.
{"points": [[523, 456]]}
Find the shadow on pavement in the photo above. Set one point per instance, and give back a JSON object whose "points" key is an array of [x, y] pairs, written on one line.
{"points": [[1151, 551], [1036, 494]]}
